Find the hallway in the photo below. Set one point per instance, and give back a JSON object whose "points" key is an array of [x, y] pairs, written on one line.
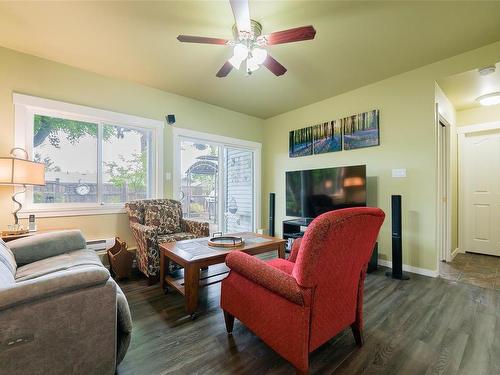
{"points": [[476, 269]]}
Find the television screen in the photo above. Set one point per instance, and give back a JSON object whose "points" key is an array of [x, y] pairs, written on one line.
{"points": [[312, 192]]}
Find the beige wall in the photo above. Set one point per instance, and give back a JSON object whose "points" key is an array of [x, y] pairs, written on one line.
{"points": [[479, 115], [34, 76], [408, 140]]}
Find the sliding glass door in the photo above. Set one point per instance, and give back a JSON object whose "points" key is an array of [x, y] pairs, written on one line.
{"points": [[216, 183], [238, 190]]}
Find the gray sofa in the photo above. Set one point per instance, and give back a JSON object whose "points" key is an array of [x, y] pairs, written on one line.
{"points": [[60, 312]]}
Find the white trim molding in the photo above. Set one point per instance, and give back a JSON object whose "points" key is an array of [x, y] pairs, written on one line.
{"points": [[408, 268], [27, 106], [495, 125]]}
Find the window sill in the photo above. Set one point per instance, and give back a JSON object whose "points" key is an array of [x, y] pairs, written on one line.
{"points": [[71, 211]]}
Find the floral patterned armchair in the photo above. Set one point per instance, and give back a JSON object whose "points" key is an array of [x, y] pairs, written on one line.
{"points": [[154, 221]]}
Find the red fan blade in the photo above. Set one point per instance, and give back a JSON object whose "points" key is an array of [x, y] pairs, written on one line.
{"points": [[241, 14], [291, 35], [274, 66], [201, 39], [224, 71]]}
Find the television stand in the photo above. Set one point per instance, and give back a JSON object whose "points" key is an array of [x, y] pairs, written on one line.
{"points": [[291, 228]]}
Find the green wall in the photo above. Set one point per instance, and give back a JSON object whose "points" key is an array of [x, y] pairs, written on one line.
{"points": [[30, 75], [408, 140]]}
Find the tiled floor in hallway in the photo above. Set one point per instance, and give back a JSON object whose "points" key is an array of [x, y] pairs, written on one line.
{"points": [[475, 269]]}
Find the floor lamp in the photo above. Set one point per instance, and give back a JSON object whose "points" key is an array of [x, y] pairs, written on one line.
{"points": [[20, 171]]}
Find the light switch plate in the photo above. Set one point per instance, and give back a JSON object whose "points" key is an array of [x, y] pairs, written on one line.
{"points": [[399, 172]]}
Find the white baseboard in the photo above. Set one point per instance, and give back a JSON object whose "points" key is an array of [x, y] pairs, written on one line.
{"points": [[407, 268], [454, 253]]}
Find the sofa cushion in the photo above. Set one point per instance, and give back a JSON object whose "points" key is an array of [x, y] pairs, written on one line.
{"points": [[57, 263], [7, 258], [282, 264], [6, 277], [165, 216], [176, 237], [44, 245]]}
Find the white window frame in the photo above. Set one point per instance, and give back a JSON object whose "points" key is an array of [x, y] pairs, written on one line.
{"points": [[180, 134], [27, 106]]}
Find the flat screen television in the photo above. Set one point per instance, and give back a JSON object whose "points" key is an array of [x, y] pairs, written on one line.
{"points": [[312, 192]]}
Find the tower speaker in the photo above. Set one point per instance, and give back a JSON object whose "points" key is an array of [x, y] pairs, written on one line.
{"points": [[397, 240], [272, 212]]}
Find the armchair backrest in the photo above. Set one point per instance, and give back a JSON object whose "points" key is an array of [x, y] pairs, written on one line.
{"points": [[136, 209], [333, 255]]}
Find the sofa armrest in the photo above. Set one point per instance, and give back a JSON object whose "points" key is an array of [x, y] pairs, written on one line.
{"points": [[198, 228], [145, 229], [143, 233], [266, 276], [52, 284], [295, 250], [45, 245]]}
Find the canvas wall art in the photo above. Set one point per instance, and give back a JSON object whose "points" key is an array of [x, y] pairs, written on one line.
{"points": [[300, 142], [348, 133], [327, 137], [361, 130]]}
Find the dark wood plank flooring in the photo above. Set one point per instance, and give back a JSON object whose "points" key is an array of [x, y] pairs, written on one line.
{"points": [[421, 326]]}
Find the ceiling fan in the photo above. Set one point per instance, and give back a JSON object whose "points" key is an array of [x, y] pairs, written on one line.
{"points": [[249, 44]]}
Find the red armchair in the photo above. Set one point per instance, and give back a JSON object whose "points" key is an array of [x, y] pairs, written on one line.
{"points": [[296, 305]]}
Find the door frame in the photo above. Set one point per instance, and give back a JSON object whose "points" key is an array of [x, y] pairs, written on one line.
{"points": [[180, 134], [462, 132], [443, 207]]}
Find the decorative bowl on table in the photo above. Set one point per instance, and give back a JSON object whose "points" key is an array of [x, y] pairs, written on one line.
{"points": [[225, 241]]}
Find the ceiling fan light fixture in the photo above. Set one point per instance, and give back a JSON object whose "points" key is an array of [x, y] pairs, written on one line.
{"points": [[252, 65], [489, 99], [259, 55], [235, 62], [240, 51]]}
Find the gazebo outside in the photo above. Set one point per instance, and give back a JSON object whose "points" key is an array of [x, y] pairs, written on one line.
{"points": [[199, 191]]}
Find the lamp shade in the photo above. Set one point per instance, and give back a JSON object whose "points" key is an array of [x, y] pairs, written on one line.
{"points": [[14, 171]]}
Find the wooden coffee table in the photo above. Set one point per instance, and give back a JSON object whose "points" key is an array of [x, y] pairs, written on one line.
{"points": [[196, 254]]}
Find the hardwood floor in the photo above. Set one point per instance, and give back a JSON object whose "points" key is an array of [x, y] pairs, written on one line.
{"points": [[421, 326]]}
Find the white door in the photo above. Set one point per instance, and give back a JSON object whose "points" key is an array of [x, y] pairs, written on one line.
{"points": [[481, 182]]}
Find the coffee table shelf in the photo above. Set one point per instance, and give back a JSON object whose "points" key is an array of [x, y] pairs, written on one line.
{"points": [[196, 254]]}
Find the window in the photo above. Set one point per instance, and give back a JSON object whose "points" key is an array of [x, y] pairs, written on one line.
{"points": [[94, 160], [217, 180]]}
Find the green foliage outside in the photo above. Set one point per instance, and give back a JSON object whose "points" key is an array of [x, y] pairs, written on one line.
{"points": [[132, 172]]}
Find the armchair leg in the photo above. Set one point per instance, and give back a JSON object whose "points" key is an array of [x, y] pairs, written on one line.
{"points": [[229, 319], [357, 332]]}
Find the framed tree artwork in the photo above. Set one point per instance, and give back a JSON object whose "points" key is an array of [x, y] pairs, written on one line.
{"points": [[327, 137], [300, 142], [361, 130]]}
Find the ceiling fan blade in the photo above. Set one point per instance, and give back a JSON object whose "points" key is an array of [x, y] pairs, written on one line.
{"points": [[292, 35], [274, 66], [225, 70], [241, 14], [201, 39]]}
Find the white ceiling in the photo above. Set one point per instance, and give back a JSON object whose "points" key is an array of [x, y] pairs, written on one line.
{"points": [[463, 89], [357, 43]]}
